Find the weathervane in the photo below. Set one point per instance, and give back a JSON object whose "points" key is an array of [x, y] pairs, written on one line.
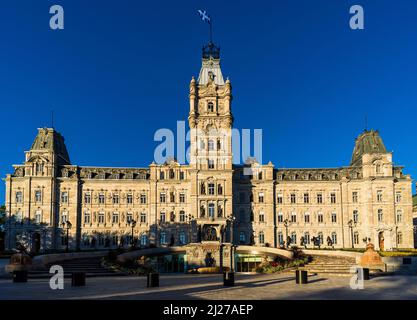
{"points": [[205, 17]]}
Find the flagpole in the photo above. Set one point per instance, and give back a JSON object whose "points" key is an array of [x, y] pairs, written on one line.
{"points": [[211, 32]]}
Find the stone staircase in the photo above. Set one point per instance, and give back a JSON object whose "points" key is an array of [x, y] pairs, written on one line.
{"points": [[91, 266], [330, 266]]}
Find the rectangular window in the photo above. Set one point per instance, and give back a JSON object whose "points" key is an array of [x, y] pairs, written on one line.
{"points": [[162, 197], [182, 197], [307, 217], [38, 196], [320, 217], [163, 217], [211, 164], [354, 197], [306, 198], [293, 217], [261, 217], [261, 197], [87, 197], [161, 175], [379, 196], [398, 197], [399, 216], [129, 217], [280, 217], [211, 188], [64, 197], [87, 217], [279, 199], [101, 198], [38, 217], [333, 197], [182, 176], [293, 198], [129, 198], [319, 198], [182, 216], [19, 197], [143, 198], [380, 215], [115, 218], [143, 217], [355, 216], [101, 217], [334, 217]]}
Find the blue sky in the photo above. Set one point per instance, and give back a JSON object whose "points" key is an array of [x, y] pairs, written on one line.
{"points": [[120, 70]]}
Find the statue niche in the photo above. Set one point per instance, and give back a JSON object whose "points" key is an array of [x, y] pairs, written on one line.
{"points": [[210, 234]]}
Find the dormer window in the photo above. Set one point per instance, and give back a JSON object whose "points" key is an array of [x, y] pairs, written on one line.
{"points": [[210, 107]]}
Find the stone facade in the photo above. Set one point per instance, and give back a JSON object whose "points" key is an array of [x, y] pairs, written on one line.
{"points": [[209, 199]]}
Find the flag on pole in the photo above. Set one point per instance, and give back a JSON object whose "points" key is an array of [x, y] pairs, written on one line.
{"points": [[204, 16]]}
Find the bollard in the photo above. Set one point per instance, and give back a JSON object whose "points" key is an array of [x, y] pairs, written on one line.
{"points": [[153, 280], [301, 277], [228, 279], [20, 276], [78, 279], [365, 273]]}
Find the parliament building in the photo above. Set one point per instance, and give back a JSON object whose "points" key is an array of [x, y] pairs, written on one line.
{"points": [[52, 203]]}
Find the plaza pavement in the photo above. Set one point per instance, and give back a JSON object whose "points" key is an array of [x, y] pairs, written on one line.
{"points": [[247, 287]]}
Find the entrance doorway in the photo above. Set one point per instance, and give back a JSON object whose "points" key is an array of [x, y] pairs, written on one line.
{"points": [[381, 241]]}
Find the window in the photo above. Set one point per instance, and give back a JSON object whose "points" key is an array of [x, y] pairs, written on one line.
{"points": [[162, 197], [334, 238], [211, 188], [261, 216], [334, 217], [101, 198], [39, 168], [398, 197], [163, 238], [19, 197], [115, 218], [293, 198], [182, 216], [307, 217], [356, 237], [279, 199], [115, 199], [211, 164], [143, 198], [219, 189], [64, 217], [210, 107], [242, 237], [161, 175], [211, 210], [129, 198], [399, 216], [64, 197], [280, 217], [399, 238], [143, 217], [261, 197], [280, 238], [183, 239], [319, 198], [38, 196], [293, 217], [306, 198], [87, 197], [38, 217], [182, 197], [378, 168], [87, 217], [129, 217], [19, 216], [306, 238], [171, 174], [355, 216], [320, 217], [260, 175], [101, 217], [355, 197], [182, 176], [333, 197], [211, 145], [293, 238], [144, 240], [162, 217], [261, 237], [320, 236], [379, 196], [380, 215], [202, 145]]}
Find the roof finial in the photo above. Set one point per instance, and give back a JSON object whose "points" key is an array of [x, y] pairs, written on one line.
{"points": [[366, 122]]}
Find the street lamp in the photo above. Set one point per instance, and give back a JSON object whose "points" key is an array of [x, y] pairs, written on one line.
{"points": [[351, 225], [133, 225], [286, 224], [190, 228], [67, 225], [231, 219]]}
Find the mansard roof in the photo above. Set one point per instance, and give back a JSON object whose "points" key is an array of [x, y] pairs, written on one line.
{"points": [[368, 142], [48, 139], [210, 68]]}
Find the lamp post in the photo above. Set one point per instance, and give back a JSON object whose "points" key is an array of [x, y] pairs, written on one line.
{"points": [[67, 225], [190, 228], [231, 219], [351, 225], [132, 225], [286, 224]]}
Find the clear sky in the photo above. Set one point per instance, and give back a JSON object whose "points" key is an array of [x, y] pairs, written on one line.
{"points": [[121, 69]]}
